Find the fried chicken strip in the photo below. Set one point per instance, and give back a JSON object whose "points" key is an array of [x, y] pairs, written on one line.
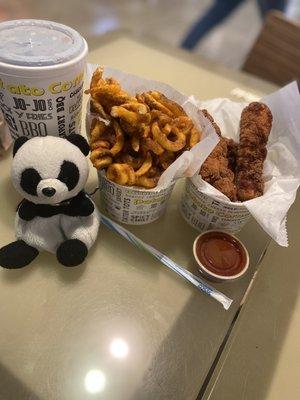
{"points": [[232, 149], [215, 169], [255, 127]]}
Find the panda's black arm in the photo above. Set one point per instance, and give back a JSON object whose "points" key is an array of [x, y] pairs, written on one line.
{"points": [[81, 205], [27, 210]]}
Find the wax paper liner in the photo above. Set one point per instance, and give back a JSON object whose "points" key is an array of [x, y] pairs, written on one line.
{"points": [[282, 165]]}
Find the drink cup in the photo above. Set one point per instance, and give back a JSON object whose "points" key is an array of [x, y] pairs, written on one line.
{"points": [[42, 66]]}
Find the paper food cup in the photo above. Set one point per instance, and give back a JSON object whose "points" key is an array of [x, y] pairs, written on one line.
{"points": [[203, 212], [133, 205], [42, 66]]}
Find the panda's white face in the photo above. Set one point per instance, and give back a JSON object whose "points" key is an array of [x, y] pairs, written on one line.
{"points": [[49, 170]]}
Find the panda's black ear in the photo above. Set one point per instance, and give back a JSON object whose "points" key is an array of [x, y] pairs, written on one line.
{"points": [[19, 143], [80, 142]]}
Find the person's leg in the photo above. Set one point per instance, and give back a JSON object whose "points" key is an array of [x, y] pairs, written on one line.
{"points": [[216, 14], [267, 5]]}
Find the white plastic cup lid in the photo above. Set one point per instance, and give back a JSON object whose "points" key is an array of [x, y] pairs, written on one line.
{"points": [[38, 43]]}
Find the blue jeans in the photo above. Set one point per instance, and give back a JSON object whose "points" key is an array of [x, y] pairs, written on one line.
{"points": [[218, 12]]}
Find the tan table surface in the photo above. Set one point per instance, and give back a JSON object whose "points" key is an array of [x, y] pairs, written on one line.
{"points": [[58, 325], [262, 358]]}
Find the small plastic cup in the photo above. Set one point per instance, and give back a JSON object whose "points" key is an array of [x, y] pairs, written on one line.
{"points": [[213, 276], [42, 65]]}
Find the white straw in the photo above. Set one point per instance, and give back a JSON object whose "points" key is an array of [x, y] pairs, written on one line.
{"points": [[195, 280]]}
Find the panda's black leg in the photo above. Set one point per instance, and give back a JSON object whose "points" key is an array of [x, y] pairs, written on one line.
{"points": [[71, 252], [17, 255]]}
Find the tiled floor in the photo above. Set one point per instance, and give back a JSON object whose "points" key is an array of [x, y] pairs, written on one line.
{"points": [[166, 20]]}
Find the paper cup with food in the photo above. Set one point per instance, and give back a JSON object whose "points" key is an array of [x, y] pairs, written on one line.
{"points": [[255, 168], [143, 136]]}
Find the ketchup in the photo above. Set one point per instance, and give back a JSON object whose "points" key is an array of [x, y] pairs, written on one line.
{"points": [[221, 253]]}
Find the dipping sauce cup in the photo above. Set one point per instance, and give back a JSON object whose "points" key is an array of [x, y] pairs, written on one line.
{"points": [[220, 256]]}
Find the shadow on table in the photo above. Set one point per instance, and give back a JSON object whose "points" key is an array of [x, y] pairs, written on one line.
{"points": [[183, 359], [49, 265], [263, 325], [11, 388], [11, 199], [11, 276], [181, 367]]}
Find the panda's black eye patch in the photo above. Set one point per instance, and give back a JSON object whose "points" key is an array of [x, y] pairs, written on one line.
{"points": [[69, 174], [30, 178]]}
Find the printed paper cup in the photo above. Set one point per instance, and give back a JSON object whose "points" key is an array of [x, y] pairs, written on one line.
{"points": [[133, 205], [42, 66], [204, 212]]}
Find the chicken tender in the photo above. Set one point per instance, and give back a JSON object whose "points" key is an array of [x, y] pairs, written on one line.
{"points": [[255, 127], [215, 169], [232, 149]]}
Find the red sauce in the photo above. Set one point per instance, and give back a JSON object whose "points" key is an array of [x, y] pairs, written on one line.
{"points": [[221, 253]]}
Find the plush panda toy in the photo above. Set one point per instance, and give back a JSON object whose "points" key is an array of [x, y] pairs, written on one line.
{"points": [[56, 214]]}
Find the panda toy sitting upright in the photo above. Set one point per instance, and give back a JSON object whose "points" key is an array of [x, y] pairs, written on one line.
{"points": [[56, 214]]}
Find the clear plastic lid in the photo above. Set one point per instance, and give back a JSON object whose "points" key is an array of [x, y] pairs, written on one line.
{"points": [[37, 43]]}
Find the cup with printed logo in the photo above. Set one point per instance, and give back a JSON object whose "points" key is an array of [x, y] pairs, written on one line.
{"points": [[42, 66]]}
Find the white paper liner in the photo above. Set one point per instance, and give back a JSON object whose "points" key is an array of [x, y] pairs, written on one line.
{"points": [[282, 166], [134, 205]]}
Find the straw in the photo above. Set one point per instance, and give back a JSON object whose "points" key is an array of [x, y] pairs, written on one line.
{"points": [[195, 280]]}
